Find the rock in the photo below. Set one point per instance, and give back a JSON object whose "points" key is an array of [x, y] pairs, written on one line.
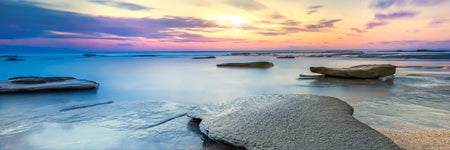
{"points": [[85, 106], [207, 57], [146, 56], [89, 55], [240, 54], [13, 59], [286, 57], [311, 76], [288, 122], [360, 71], [351, 82], [34, 84], [37, 80], [261, 64], [426, 108]]}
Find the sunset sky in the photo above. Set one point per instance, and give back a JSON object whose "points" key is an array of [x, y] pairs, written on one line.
{"points": [[197, 25]]}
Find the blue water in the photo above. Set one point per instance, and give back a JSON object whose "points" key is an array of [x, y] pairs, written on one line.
{"points": [[148, 90]]}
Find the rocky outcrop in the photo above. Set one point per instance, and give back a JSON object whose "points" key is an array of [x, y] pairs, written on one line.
{"points": [[360, 71], [288, 122], [261, 64], [205, 57], [35, 84]]}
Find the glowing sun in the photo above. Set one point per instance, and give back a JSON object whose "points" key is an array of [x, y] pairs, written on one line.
{"points": [[236, 21]]}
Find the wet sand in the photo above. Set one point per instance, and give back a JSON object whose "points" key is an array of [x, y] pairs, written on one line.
{"points": [[419, 138]]}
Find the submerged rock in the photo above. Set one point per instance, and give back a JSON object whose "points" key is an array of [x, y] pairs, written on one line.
{"points": [[417, 108], [311, 76], [84, 106], [146, 55], [261, 64], [360, 71], [13, 59], [34, 84], [89, 55], [286, 57], [288, 122], [206, 57]]}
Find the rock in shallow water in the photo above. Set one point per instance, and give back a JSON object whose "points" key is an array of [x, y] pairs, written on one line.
{"points": [[288, 122], [261, 64], [360, 71], [205, 57], [34, 84]]}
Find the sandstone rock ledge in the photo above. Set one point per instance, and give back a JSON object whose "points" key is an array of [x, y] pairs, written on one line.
{"points": [[360, 71], [261, 64], [288, 122], [35, 84]]}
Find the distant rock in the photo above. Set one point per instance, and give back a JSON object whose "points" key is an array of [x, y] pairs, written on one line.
{"points": [[206, 57], [240, 54], [90, 55], [288, 122], [286, 57], [35, 84], [146, 56], [360, 71], [13, 59], [261, 64]]}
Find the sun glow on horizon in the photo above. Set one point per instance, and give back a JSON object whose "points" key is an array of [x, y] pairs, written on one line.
{"points": [[231, 20]]}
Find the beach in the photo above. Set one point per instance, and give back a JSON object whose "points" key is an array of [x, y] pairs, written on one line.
{"points": [[142, 98]]}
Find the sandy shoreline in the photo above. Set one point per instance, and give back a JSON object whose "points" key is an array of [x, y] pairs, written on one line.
{"points": [[419, 138]]}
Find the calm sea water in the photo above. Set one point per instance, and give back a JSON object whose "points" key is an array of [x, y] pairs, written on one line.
{"points": [[149, 90]]}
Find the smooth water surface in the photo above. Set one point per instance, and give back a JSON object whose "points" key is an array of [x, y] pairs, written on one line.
{"points": [[149, 90]]}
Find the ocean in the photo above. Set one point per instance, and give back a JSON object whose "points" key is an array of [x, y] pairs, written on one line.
{"points": [[152, 90]]}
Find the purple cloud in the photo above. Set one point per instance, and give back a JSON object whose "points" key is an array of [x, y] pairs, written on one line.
{"points": [[291, 23], [372, 25], [26, 21], [292, 28], [427, 2], [385, 4], [357, 30], [271, 33], [122, 5], [190, 37], [396, 15], [313, 9], [277, 15], [438, 21], [323, 24], [311, 12]]}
